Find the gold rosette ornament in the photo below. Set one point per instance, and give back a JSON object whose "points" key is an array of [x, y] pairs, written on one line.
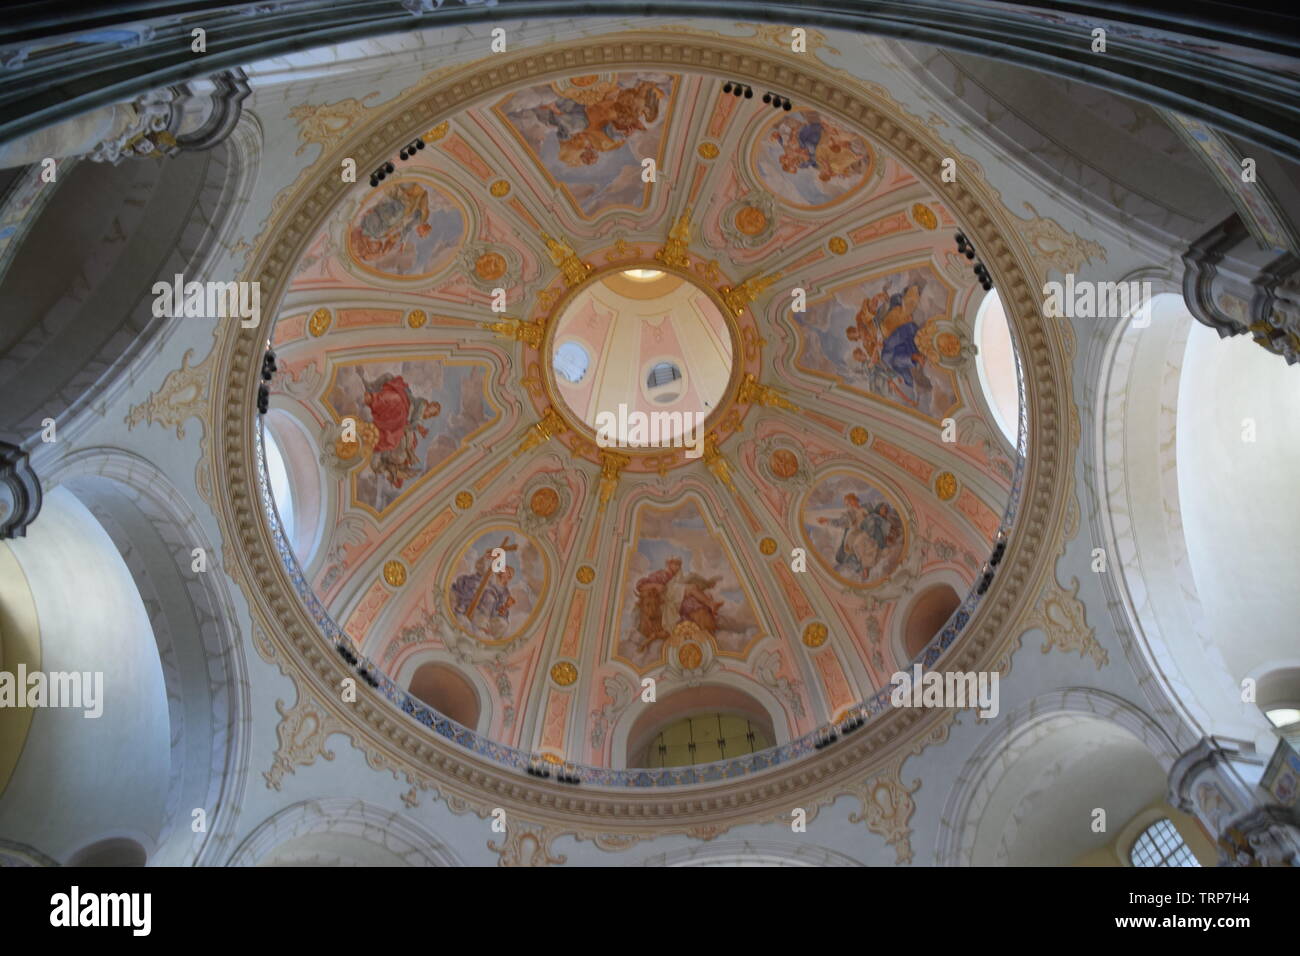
{"points": [[357, 452]]}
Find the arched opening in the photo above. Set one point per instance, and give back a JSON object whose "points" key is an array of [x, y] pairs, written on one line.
{"points": [[1277, 693], [995, 363], [78, 282], [751, 852], [704, 738], [341, 831], [1198, 443], [699, 725], [1046, 790], [332, 850], [194, 640], [571, 362], [1238, 453], [447, 692], [96, 639], [281, 490], [293, 471], [927, 616], [117, 851]]}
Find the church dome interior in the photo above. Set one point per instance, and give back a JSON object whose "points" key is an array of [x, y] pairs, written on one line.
{"points": [[464, 434], [426, 320]]}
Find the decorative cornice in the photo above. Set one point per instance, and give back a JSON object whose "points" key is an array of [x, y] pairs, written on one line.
{"points": [[182, 395]]}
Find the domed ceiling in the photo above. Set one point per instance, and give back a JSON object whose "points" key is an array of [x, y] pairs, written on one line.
{"points": [[453, 333]]}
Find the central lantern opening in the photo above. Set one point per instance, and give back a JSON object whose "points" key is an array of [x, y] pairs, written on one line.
{"points": [[642, 357]]}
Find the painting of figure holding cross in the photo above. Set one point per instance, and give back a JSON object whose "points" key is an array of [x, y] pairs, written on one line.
{"points": [[496, 585]]}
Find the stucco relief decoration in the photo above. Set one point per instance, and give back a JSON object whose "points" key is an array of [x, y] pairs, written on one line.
{"points": [[1058, 248], [781, 461], [1063, 619], [750, 221], [182, 395]]}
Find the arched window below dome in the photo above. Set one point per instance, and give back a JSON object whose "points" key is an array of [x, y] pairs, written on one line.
{"points": [[297, 486], [571, 362], [704, 738], [995, 363], [447, 692], [281, 490], [927, 616]]}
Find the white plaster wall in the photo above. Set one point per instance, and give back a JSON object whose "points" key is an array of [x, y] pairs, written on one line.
{"points": [[80, 780], [1241, 516]]}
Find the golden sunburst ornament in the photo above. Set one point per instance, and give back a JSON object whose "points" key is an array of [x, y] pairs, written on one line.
{"points": [[586, 574], [814, 635], [489, 266], [859, 435], [464, 500], [544, 502], [416, 319], [395, 573], [767, 546], [319, 322], [945, 486], [500, 189], [750, 220], [564, 673], [924, 216], [838, 245]]}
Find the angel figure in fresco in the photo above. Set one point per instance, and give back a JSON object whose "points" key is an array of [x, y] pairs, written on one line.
{"points": [[397, 414], [484, 597], [865, 330], [886, 344], [658, 603], [585, 131], [867, 534], [853, 551], [797, 143], [810, 142], [403, 210]]}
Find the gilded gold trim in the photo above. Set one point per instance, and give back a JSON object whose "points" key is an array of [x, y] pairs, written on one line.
{"points": [[551, 319]]}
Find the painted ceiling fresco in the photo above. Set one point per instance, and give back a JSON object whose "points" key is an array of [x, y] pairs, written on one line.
{"points": [[465, 520], [589, 134]]}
